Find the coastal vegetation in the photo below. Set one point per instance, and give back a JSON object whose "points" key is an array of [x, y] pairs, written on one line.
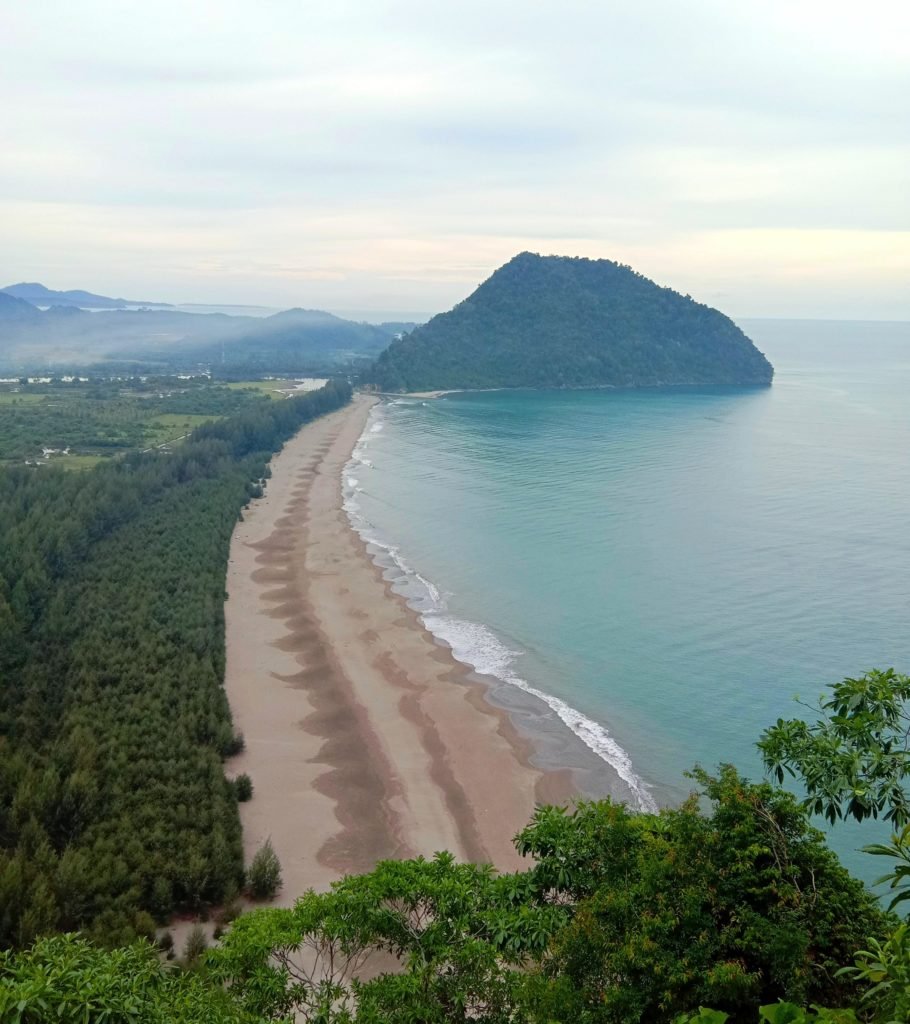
{"points": [[556, 322], [114, 806], [730, 908], [115, 812], [264, 875], [98, 418]]}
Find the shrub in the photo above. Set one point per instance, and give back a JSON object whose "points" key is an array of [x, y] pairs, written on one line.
{"points": [[243, 787], [196, 944], [229, 912], [232, 744], [264, 876]]}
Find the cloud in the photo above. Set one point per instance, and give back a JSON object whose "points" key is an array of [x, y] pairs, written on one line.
{"points": [[398, 152]]}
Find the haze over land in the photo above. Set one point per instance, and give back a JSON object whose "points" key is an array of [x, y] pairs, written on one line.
{"points": [[359, 662], [131, 339]]}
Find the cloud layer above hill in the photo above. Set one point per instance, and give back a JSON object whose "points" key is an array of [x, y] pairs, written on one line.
{"points": [[391, 155]]}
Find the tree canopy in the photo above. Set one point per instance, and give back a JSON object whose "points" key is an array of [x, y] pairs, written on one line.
{"points": [[114, 806], [620, 917], [550, 321]]}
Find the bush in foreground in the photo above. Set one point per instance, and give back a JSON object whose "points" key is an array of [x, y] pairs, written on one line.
{"points": [[264, 876]]}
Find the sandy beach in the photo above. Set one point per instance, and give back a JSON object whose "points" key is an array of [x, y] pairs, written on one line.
{"points": [[364, 738]]}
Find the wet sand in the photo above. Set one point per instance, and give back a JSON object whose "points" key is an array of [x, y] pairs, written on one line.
{"points": [[364, 738]]}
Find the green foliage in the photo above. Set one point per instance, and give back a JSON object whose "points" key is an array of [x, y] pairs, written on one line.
{"points": [[243, 788], [445, 941], [855, 760], [196, 944], [66, 979], [622, 917], [885, 969], [559, 322], [731, 909], [264, 875], [113, 720], [776, 1013], [704, 1016], [898, 878], [109, 418]]}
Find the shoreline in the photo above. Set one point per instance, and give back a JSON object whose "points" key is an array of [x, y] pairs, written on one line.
{"points": [[561, 738], [364, 737], [657, 386]]}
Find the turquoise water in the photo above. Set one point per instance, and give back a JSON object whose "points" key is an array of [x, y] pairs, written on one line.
{"points": [[668, 568]]}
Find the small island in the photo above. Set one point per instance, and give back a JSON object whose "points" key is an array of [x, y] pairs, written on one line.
{"points": [[562, 322]]}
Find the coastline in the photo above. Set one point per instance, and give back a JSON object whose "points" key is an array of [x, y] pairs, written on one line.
{"points": [[364, 737]]}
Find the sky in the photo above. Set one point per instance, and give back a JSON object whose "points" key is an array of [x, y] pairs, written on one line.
{"points": [[389, 156]]}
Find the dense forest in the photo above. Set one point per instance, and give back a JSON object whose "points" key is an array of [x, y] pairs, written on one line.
{"points": [[730, 908], [115, 812], [114, 806], [291, 342], [560, 322]]}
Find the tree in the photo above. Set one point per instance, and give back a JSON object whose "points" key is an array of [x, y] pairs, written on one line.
{"points": [[446, 942], [114, 723], [855, 760], [65, 978], [732, 909], [243, 787], [196, 944], [264, 876]]}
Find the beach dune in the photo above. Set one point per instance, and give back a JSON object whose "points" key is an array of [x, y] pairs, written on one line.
{"points": [[363, 737]]}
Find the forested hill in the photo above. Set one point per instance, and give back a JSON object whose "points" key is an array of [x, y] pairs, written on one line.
{"points": [[114, 806], [553, 321], [290, 341]]}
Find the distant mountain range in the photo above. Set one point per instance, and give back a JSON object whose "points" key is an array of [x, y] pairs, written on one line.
{"points": [[289, 341], [553, 321], [296, 340], [538, 321], [13, 309], [39, 295]]}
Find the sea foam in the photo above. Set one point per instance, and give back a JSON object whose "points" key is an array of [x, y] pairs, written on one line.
{"points": [[472, 643]]}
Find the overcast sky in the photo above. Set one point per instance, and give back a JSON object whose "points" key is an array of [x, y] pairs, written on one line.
{"points": [[390, 155]]}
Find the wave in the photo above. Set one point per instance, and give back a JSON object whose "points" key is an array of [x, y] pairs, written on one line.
{"points": [[474, 644], [477, 646]]}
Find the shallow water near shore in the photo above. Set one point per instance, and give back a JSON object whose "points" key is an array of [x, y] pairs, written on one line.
{"points": [[661, 571]]}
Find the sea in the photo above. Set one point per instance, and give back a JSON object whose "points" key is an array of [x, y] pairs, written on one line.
{"points": [[648, 578]]}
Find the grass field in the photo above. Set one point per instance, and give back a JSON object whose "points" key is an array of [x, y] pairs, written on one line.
{"points": [[103, 419], [269, 388], [78, 462], [20, 398], [168, 426]]}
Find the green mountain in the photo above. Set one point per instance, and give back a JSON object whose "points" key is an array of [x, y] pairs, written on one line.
{"points": [[292, 340], [295, 341], [553, 321]]}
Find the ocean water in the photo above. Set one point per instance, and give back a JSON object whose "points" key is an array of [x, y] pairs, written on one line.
{"points": [[650, 577]]}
